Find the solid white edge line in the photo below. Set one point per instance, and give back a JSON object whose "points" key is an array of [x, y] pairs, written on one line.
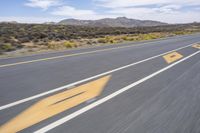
{"points": [[84, 109], [84, 80]]}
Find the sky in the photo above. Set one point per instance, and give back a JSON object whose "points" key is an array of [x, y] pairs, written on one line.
{"points": [[40, 11]]}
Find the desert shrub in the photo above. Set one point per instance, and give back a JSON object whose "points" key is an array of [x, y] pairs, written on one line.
{"points": [[125, 38], [89, 42], [179, 32], [70, 44], [117, 32], [52, 46], [151, 36], [5, 39], [6, 47], [145, 37], [102, 40], [24, 40], [17, 45], [35, 40], [41, 33], [107, 39], [110, 39], [128, 38]]}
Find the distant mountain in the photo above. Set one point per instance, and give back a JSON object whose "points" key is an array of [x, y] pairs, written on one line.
{"points": [[50, 23], [111, 22], [9, 22]]}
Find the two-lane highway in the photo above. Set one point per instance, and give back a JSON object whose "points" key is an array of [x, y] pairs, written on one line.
{"points": [[146, 87]]}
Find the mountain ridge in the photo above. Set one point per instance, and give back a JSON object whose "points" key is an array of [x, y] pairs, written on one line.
{"points": [[112, 22]]}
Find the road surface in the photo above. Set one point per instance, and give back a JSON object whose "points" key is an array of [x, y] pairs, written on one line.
{"points": [[142, 87]]}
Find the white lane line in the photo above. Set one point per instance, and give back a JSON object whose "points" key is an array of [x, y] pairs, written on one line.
{"points": [[82, 81], [93, 105]]}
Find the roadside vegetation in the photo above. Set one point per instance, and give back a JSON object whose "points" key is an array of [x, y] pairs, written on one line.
{"points": [[41, 37]]}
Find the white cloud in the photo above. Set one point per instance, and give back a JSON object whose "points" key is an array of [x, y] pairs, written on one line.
{"points": [[171, 11], [68, 11], [165, 14], [30, 19], [71, 11], [131, 3], [44, 4]]}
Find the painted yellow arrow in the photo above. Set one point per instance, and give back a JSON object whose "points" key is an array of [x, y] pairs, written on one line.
{"points": [[172, 57], [54, 105], [196, 46]]}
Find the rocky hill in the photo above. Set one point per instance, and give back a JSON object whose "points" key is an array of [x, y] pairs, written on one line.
{"points": [[112, 22]]}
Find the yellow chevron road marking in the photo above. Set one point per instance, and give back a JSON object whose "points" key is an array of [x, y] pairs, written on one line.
{"points": [[172, 57], [54, 105], [196, 46]]}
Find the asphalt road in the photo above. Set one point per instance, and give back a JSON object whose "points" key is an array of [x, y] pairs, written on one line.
{"points": [[154, 87]]}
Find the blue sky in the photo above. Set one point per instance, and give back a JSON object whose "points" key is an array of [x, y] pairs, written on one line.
{"points": [[39, 11]]}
